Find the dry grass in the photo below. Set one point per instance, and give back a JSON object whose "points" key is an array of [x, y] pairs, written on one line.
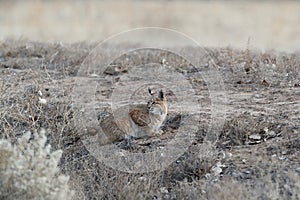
{"points": [[263, 100]]}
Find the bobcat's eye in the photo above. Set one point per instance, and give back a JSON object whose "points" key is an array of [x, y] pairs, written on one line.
{"points": [[150, 104]]}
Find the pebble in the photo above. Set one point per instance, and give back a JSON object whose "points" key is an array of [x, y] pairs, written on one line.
{"points": [[142, 178], [42, 101], [255, 137], [164, 190], [218, 169]]}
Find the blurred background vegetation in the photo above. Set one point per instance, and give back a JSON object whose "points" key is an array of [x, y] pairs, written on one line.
{"points": [[260, 25]]}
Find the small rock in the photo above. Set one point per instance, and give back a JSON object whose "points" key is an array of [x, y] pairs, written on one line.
{"points": [[266, 129], [93, 75], [142, 178], [218, 168], [284, 152], [207, 176], [272, 133], [255, 137], [164, 190], [42, 101], [282, 158], [257, 96]]}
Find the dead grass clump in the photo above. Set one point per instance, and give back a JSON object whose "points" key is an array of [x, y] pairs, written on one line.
{"points": [[249, 68], [280, 185], [247, 129], [31, 109]]}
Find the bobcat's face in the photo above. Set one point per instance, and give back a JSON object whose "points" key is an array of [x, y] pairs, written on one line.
{"points": [[157, 105], [156, 108]]}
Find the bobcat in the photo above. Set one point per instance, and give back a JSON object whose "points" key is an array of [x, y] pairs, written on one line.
{"points": [[138, 121]]}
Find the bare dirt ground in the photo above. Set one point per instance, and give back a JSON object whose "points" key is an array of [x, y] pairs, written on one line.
{"points": [[256, 155]]}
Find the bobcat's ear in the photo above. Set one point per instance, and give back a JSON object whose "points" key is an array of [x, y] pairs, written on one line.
{"points": [[161, 95], [150, 92]]}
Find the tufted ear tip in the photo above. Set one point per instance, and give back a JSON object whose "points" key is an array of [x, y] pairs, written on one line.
{"points": [[161, 95], [149, 91]]}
